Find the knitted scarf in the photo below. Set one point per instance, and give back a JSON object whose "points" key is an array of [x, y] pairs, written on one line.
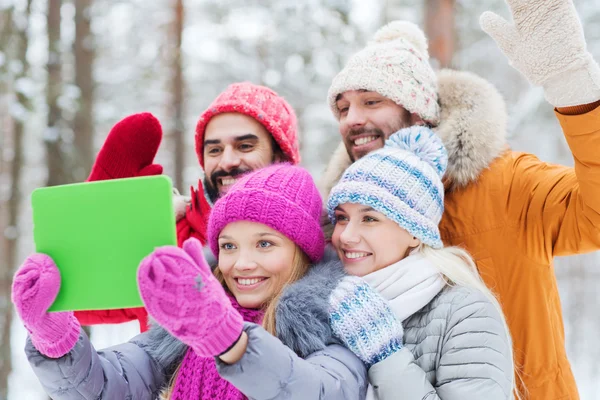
{"points": [[198, 377], [408, 285]]}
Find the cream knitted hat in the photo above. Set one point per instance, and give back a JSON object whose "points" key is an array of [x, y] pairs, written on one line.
{"points": [[396, 65]]}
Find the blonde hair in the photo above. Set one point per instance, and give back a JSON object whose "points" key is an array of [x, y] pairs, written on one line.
{"points": [[300, 266], [458, 268]]}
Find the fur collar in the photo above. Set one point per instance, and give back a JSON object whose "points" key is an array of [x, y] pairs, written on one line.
{"points": [[302, 317], [303, 310], [473, 129]]}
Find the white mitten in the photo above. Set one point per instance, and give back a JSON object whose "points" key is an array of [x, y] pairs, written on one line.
{"points": [[546, 44]]}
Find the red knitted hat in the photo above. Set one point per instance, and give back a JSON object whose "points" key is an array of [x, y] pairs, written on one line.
{"points": [[262, 104]]}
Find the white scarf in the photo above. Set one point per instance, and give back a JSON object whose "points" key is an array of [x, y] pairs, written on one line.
{"points": [[408, 285]]}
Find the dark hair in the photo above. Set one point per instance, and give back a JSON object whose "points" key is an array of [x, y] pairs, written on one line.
{"points": [[278, 154]]}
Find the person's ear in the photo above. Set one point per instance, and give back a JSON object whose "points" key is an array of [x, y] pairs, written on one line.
{"points": [[417, 120], [414, 243]]}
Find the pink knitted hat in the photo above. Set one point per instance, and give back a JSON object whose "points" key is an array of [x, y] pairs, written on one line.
{"points": [[283, 197], [262, 104]]}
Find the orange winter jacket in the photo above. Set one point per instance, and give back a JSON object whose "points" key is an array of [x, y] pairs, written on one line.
{"points": [[514, 219]]}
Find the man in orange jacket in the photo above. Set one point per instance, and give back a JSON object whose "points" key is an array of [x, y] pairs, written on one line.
{"points": [[245, 128], [511, 211]]}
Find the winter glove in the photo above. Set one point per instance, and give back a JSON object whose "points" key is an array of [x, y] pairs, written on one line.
{"points": [[129, 149], [196, 217], [34, 289], [364, 321], [546, 44], [183, 296]]}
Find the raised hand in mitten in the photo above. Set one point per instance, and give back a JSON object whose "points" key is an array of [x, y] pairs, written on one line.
{"points": [[546, 44], [129, 149], [364, 321], [35, 286], [183, 296], [196, 217]]}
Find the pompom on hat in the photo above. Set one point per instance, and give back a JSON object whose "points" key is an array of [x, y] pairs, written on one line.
{"points": [[402, 180], [395, 65]]}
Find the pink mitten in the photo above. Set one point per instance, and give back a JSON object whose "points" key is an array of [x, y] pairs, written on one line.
{"points": [[34, 289], [181, 293]]}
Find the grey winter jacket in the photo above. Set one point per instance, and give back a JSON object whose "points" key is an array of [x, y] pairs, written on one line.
{"points": [[304, 362], [455, 348]]}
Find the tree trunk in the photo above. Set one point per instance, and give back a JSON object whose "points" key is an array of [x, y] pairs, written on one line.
{"points": [[9, 208], [440, 30], [83, 124], [57, 170], [177, 93]]}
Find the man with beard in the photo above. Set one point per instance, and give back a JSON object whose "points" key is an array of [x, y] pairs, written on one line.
{"points": [[246, 127], [511, 211]]}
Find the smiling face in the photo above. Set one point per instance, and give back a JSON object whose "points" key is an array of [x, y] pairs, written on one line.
{"points": [[368, 119], [367, 241], [256, 262], [234, 144]]}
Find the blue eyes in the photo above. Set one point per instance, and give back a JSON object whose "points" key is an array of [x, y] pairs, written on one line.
{"points": [[343, 218], [263, 244]]}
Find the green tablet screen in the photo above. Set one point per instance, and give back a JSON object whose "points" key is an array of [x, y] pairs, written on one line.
{"points": [[98, 232]]}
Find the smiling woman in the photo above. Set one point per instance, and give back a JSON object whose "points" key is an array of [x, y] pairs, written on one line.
{"points": [[367, 241], [256, 261], [386, 209]]}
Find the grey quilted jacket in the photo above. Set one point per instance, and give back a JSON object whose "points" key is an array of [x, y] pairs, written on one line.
{"points": [[303, 362], [456, 348]]}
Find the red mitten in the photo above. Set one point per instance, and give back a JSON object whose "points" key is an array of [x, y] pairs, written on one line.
{"points": [[129, 149], [128, 152], [195, 222]]}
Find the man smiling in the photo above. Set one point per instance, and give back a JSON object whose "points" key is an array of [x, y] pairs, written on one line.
{"points": [[247, 127]]}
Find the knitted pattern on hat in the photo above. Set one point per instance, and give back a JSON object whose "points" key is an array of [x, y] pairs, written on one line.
{"points": [[262, 104], [364, 321], [198, 377], [402, 180], [395, 65], [283, 197]]}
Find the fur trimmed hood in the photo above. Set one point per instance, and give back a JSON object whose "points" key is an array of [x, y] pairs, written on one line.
{"points": [[472, 126]]}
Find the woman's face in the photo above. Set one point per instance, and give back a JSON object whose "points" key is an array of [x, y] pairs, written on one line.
{"points": [[256, 261], [367, 241]]}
